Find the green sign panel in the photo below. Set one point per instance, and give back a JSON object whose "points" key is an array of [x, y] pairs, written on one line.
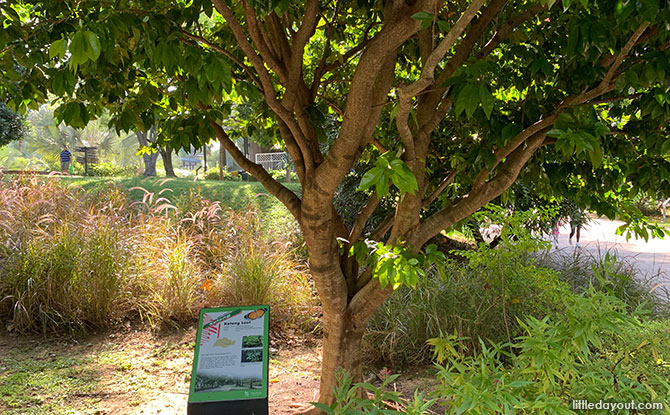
{"points": [[231, 355]]}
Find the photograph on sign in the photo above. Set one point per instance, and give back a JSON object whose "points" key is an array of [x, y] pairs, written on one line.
{"points": [[230, 361]]}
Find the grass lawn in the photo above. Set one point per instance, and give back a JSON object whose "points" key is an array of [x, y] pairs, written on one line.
{"points": [[234, 195]]}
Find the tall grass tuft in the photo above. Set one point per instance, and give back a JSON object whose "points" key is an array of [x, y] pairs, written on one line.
{"points": [[262, 269], [60, 259], [607, 272], [481, 299]]}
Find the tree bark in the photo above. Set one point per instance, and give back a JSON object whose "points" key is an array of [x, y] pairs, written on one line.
{"points": [[342, 341], [166, 155], [150, 164], [148, 159], [222, 159]]}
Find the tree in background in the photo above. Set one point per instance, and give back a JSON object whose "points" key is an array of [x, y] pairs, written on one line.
{"points": [[446, 104], [150, 152], [12, 126]]}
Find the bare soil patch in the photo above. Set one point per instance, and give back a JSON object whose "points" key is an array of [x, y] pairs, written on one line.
{"points": [[134, 371]]}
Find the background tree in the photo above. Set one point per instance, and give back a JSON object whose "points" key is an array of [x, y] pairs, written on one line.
{"points": [[448, 102], [150, 152], [12, 126]]}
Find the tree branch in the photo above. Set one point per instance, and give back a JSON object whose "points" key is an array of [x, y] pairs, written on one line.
{"points": [[406, 93], [292, 148], [624, 53], [285, 195], [613, 99], [606, 85], [332, 105], [282, 112], [478, 197], [440, 188], [506, 29], [383, 227], [260, 40], [372, 74], [519, 139], [362, 218], [300, 39]]}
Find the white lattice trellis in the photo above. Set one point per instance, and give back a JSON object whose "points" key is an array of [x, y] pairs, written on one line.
{"points": [[271, 161]]}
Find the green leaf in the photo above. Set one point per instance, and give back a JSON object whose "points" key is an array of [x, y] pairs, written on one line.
{"points": [[648, 9], [650, 73], [632, 78], [422, 16], [468, 100], [58, 48], [402, 177], [487, 100], [324, 408], [665, 147], [93, 45], [371, 178], [444, 26], [554, 132], [596, 157], [382, 186], [78, 50], [573, 38]]}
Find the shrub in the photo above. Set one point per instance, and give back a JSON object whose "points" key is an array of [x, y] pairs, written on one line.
{"points": [[280, 175], [213, 174], [376, 400], [105, 169], [481, 299], [559, 359]]}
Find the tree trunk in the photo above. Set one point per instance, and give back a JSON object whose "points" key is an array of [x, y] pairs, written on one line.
{"points": [[148, 159], [204, 158], [166, 155], [150, 164], [222, 160], [342, 342]]}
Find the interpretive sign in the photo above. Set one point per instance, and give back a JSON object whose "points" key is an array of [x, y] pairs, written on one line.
{"points": [[230, 366]]}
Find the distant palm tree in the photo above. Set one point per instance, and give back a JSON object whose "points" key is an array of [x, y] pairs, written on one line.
{"points": [[47, 138]]}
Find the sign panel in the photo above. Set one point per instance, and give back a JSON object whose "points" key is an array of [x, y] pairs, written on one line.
{"points": [[231, 355]]}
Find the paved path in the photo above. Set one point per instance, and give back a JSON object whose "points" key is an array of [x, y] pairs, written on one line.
{"points": [[651, 258]]}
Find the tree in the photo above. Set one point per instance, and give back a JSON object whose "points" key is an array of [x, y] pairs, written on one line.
{"points": [[12, 126], [147, 140], [447, 103], [47, 135]]}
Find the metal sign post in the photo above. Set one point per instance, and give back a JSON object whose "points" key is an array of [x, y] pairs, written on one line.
{"points": [[230, 365]]}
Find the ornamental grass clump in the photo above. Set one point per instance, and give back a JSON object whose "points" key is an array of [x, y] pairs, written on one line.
{"points": [[263, 268], [61, 258], [483, 297], [73, 260]]}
